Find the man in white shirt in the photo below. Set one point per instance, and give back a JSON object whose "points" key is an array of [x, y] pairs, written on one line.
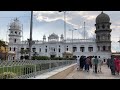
{"points": [[93, 65], [78, 63], [99, 64]]}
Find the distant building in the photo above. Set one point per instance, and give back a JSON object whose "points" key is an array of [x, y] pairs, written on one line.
{"points": [[101, 46]]}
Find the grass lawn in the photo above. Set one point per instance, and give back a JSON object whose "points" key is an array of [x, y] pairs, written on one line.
{"points": [[19, 70]]}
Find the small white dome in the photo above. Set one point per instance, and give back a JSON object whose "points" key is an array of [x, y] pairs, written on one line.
{"points": [[53, 36], [15, 24]]}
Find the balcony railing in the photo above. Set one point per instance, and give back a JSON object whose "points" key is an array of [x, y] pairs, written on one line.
{"points": [[29, 68]]}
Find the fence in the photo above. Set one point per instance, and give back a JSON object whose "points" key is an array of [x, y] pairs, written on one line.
{"points": [[29, 68]]}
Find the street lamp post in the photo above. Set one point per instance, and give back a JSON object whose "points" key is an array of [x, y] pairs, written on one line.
{"points": [[30, 40], [64, 27], [64, 23], [72, 36]]}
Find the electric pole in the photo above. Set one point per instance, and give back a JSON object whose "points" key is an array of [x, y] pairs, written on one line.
{"points": [[30, 40]]}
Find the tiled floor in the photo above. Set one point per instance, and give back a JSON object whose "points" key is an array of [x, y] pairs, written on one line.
{"points": [[106, 74]]}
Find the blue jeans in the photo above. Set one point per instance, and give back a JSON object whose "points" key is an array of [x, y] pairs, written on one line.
{"points": [[87, 67]]}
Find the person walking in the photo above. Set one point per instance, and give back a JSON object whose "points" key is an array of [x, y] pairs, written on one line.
{"points": [[112, 65], [87, 63], [93, 65], [99, 64], [78, 64], [117, 65], [81, 62], [96, 63], [108, 62], [84, 63]]}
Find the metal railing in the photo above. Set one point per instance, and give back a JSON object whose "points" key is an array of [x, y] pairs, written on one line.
{"points": [[30, 68]]}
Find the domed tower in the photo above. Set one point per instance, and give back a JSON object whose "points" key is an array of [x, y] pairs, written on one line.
{"points": [[103, 36], [15, 37], [15, 32]]}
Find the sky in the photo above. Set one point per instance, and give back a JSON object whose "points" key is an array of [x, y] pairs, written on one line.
{"points": [[48, 22]]}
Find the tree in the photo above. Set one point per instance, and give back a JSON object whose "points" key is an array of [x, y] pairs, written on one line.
{"points": [[3, 44], [23, 53]]}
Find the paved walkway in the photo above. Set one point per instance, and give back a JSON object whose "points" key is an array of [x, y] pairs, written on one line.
{"points": [[106, 74]]}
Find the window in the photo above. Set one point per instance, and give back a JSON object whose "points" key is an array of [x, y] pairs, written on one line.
{"points": [[27, 48], [22, 48], [82, 49], [104, 60], [90, 49], [19, 33], [54, 49], [46, 46], [10, 48], [40, 49], [14, 48], [15, 32], [46, 50], [15, 40], [98, 48], [11, 32], [59, 49], [59, 45], [67, 49], [74, 49], [103, 26], [104, 48], [34, 49]]}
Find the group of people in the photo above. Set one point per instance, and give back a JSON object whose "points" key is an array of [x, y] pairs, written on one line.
{"points": [[114, 64], [94, 62], [84, 63]]}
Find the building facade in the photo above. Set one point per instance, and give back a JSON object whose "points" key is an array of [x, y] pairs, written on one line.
{"points": [[56, 46]]}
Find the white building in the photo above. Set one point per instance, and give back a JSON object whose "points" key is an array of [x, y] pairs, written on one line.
{"points": [[101, 46]]}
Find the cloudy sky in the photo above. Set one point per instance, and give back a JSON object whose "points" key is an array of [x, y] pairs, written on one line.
{"points": [[47, 22]]}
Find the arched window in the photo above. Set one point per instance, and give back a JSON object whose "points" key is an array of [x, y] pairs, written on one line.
{"points": [[14, 48], [15, 32], [15, 41], [104, 48], [103, 26], [98, 48], [10, 48]]}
